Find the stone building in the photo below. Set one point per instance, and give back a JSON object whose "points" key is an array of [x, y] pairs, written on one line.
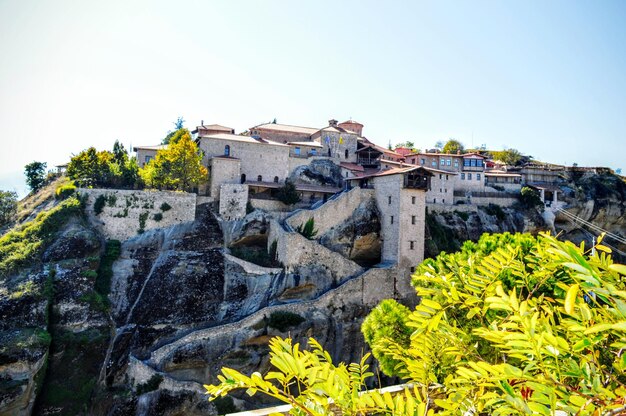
{"points": [[146, 153]]}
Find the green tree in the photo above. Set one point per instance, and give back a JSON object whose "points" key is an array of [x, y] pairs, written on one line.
{"points": [[387, 321], [8, 206], [93, 168], [511, 325], [177, 167], [287, 194], [35, 175], [179, 125], [453, 146], [511, 157], [407, 144], [530, 198]]}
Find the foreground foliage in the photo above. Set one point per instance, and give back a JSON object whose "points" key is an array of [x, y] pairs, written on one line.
{"points": [[510, 325], [104, 169]]}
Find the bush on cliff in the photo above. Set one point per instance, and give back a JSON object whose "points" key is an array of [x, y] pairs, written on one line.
{"points": [[511, 325], [22, 245]]}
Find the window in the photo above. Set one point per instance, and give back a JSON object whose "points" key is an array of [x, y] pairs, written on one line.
{"points": [[469, 176], [413, 200], [412, 269], [434, 163], [227, 150], [413, 161], [479, 162], [456, 163], [440, 191], [423, 161], [447, 178], [296, 151], [243, 178], [392, 219], [478, 176], [411, 245], [444, 201], [466, 162], [346, 153], [434, 200], [413, 219], [259, 178], [445, 190], [346, 174], [313, 152], [440, 176], [462, 176], [148, 159], [276, 179], [329, 152], [448, 162], [389, 198]]}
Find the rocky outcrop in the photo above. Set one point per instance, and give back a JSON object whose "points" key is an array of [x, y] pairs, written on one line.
{"points": [[318, 172]]}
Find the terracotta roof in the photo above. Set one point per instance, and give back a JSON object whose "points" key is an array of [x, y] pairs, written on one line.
{"points": [[243, 139], [352, 166], [351, 122], [286, 127], [392, 171], [404, 164]]}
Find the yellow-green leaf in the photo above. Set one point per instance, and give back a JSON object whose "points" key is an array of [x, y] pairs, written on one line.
{"points": [[570, 299]]}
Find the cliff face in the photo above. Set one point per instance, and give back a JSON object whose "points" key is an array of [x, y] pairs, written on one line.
{"points": [[182, 303]]}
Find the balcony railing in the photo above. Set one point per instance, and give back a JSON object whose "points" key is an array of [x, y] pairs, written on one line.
{"points": [[368, 161]]}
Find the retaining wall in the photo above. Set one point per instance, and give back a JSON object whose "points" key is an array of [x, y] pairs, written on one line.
{"points": [[127, 213]]}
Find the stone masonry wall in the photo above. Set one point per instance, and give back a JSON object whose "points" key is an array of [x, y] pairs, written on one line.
{"points": [[293, 250], [233, 200], [442, 187], [387, 190], [127, 213], [334, 212]]}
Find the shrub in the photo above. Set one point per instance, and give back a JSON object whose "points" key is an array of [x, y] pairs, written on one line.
{"points": [[142, 221], [530, 198], [105, 270], [307, 229], [283, 320], [151, 385], [495, 210], [287, 194], [8, 206], [462, 214], [99, 204], [65, 190], [256, 255], [157, 217], [165, 207]]}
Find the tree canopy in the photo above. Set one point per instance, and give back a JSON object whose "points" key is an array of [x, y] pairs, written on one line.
{"points": [[509, 156], [105, 169], [509, 325], [453, 146], [179, 125], [35, 175], [408, 144], [178, 167]]}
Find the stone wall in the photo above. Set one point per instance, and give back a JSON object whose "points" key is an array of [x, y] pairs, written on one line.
{"points": [[127, 213], [223, 170], [387, 190], [233, 200], [333, 213], [257, 159], [412, 221], [442, 188], [504, 201], [294, 250]]}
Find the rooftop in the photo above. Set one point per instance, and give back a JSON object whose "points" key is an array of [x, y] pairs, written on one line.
{"points": [[286, 127], [310, 144], [215, 127], [242, 139], [157, 147]]}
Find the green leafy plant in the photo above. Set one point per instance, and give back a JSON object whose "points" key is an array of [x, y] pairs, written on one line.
{"points": [[165, 207], [35, 175], [287, 194], [152, 384], [157, 217], [307, 229], [65, 190], [143, 217], [530, 198], [8, 206], [99, 204]]}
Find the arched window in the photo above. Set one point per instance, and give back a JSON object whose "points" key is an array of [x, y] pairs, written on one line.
{"points": [[227, 150], [243, 178], [259, 178], [329, 152], [276, 179], [346, 153]]}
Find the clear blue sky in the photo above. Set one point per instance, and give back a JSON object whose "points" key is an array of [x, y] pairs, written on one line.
{"points": [[547, 78]]}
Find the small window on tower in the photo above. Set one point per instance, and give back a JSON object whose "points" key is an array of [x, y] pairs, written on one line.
{"points": [[392, 219], [259, 178]]}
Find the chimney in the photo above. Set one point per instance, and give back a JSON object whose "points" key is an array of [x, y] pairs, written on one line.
{"points": [[202, 123], [332, 123]]}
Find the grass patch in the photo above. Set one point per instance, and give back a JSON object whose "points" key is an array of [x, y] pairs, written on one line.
{"points": [[283, 320], [21, 246], [65, 190]]}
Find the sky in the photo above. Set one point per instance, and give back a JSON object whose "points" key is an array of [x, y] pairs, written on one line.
{"points": [[546, 78]]}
